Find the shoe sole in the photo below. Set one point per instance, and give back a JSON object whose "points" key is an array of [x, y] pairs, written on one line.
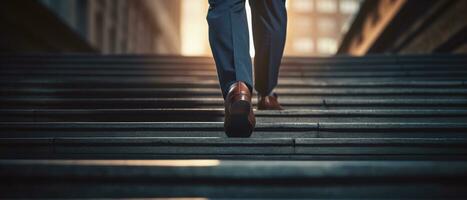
{"points": [[239, 123]]}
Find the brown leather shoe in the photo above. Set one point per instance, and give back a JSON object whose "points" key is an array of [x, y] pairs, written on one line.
{"points": [[269, 103], [239, 117]]}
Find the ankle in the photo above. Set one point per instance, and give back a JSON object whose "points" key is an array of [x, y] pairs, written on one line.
{"points": [[271, 94]]}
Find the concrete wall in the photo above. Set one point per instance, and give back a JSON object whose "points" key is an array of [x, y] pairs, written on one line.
{"points": [[408, 27]]}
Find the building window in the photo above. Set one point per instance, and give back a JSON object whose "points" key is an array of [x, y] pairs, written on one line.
{"points": [[303, 23], [326, 25], [303, 45], [327, 45], [302, 5], [349, 6], [326, 6]]}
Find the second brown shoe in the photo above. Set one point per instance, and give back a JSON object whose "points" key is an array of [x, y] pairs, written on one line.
{"points": [[269, 102], [239, 117]]}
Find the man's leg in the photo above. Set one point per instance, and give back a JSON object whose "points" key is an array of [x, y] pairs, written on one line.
{"points": [[228, 36], [269, 19]]}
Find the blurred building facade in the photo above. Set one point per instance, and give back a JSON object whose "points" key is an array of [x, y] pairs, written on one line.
{"points": [[179, 27], [408, 27], [122, 26], [316, 26], [106, 26]]}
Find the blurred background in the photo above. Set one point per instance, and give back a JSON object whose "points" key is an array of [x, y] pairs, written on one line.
{"points": [[179, 27], [385, 126]]}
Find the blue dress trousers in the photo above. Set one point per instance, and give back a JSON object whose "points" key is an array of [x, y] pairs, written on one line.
{"points": [[229, 40]]}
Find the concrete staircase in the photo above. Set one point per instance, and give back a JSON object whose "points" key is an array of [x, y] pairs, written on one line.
{"points": [[88, 126]]}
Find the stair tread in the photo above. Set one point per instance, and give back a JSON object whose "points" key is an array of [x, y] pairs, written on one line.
{"points": [[195, 82], [233, 169], [216, 146]]}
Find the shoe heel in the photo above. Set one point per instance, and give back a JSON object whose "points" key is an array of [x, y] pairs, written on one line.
{"points": [[240, 108], [239, 123]]}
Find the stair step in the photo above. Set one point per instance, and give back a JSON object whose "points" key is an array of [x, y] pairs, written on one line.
{"points": [[170, 82], [289, 103], [132, 68], [202, 73], [181, 146], [237, 179], [208, 92], [336, 82], [215, 129], [179, 114], [212, 75], [132, 59]]}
